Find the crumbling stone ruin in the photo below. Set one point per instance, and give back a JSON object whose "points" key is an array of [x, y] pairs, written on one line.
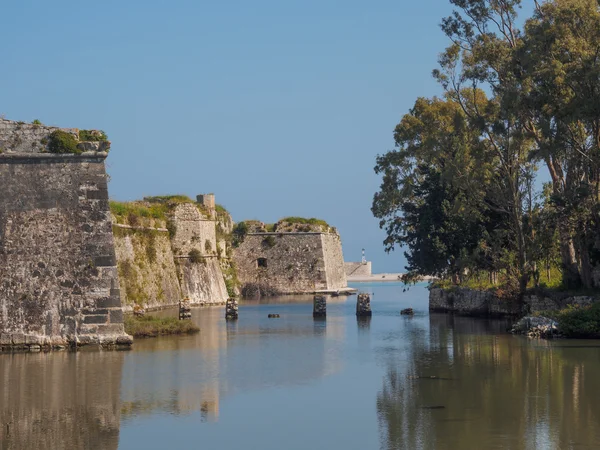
{"points": [[58, 274]]}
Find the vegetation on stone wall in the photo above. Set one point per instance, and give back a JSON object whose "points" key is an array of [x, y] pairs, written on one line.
{"points": [[231, 280], [92, 136], [240, 230], [169, 199], [130, 211], [459, 191], [269, 242], [62, 142], [195, 256]]}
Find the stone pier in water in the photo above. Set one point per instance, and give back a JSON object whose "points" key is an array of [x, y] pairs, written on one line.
{"points": [[231, 309], [319, 306], [363, 305]]}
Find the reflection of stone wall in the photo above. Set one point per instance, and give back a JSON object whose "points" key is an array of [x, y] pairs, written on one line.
{"points": [[295, 262], [60, 400]]}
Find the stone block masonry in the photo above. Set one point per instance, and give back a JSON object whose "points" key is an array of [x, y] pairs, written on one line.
{"points": [[158, 269], [58, 276], [290, 262]]}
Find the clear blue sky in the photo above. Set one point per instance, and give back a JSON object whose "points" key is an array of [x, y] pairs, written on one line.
{"points": [[278, 107]]}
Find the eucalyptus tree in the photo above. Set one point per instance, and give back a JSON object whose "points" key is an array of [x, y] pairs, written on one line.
{"points": [[559, 60], [433, 190], [484, 37]]}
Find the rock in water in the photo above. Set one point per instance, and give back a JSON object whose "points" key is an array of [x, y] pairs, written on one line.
{"points": [[407, 312], [537, 327], [139, 311]]}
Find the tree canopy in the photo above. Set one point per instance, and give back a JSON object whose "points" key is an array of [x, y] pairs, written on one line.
{"points": [[458, 192]]}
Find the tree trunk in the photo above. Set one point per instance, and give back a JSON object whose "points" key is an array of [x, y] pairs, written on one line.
{"points": [[571, 277]]}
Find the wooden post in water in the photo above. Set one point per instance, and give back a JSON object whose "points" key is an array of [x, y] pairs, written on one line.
{"points": [[231, 309], [363, 305], [319, 306]]}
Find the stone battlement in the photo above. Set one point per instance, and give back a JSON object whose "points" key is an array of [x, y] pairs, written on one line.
{"points": [[33, 139]]}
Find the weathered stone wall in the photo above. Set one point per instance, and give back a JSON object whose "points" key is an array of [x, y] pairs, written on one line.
{"points": [[334, 261], [23, 138], [155, 268], [193, 231], [295, 262], [485, 303], [147, 268], [58, 274], [203, 282], [358, 269]]}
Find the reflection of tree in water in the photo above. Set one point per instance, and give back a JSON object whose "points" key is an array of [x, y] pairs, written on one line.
{"points": [[497, 391]]}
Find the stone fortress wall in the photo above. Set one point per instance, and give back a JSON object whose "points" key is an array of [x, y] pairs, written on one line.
{"points": [[291, 262], [358, 269], [58, 276], [155, 265]]}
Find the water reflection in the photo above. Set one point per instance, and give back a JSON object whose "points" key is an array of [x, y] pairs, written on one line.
{"points": [[183, 375], [489, 391], [60, 400]]}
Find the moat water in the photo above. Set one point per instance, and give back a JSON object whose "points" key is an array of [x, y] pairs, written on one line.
{"points": [[425, 382]]}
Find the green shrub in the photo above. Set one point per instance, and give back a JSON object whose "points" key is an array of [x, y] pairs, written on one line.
{"points": [[239, 233], [195, 256], [92, 135], [302, 220], [269, 242], [178, 198], [580, 322], [36, 122], [62, 142]]}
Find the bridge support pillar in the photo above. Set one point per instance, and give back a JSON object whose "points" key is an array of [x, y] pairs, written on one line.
{"points": [[319, 306], [363, 305]]}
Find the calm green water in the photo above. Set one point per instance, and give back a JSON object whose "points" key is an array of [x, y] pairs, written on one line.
{"points": [[295, 383]]}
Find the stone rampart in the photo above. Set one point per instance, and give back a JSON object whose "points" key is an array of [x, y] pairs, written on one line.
{"points": [[159, 268], [290, 263], [58, 276], [334, 261], [147, 268], [358, 269]]}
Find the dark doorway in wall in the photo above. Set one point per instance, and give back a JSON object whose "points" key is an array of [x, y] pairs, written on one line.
{"points": [[261, 262]]}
